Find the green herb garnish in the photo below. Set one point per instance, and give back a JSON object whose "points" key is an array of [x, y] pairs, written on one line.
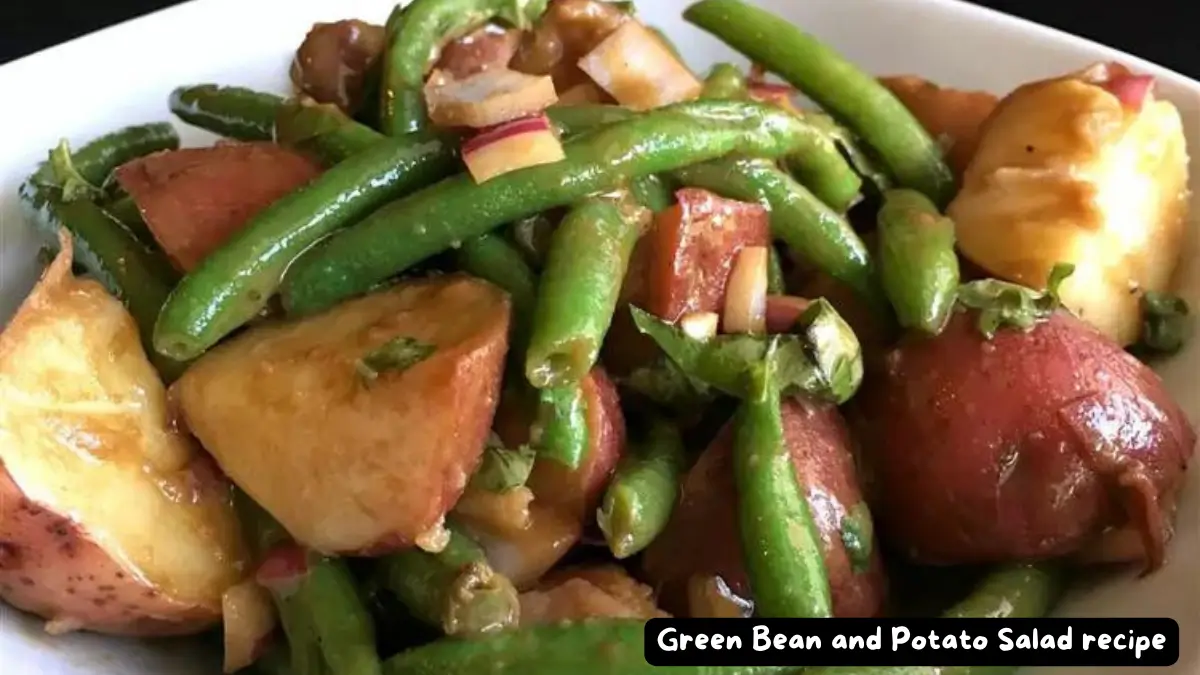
{"points": [[858, 535], [503, 469], [1002, 303], [397, 354], [1166, 322], [74, 186]]}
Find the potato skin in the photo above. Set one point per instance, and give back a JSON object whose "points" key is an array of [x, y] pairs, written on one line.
{"points": [[702, 537], [351, 467], [986, 451], [110, 520]]}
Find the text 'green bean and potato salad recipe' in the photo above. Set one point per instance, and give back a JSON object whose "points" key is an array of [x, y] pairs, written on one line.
{"points": [[475, 363]]}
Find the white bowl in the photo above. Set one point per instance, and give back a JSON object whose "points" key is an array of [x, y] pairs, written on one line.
{"points": [[122, 76]]}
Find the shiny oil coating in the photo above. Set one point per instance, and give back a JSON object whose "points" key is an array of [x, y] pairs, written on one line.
{"points": [[836, 85], [415, 38], [234, 112], [435, 219], [234, 283]]}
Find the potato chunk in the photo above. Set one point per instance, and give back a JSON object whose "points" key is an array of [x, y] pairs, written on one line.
{"points": [[1068, 171], [109, 520], [352, 464]]}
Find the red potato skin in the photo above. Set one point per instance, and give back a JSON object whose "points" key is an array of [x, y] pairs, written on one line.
{"points": [[574, 492], [702, 536], [194, 199], [682, 265], [986, 451], [68, 575]]}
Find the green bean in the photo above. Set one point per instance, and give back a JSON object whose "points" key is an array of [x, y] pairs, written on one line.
{"points": [[594, 647], [323, 130], [492, 258], [412, 229], [274, 662], [234, 283], [725, 81], [810, 229], [1166, 323], [652, 192], [572, 120], [781, 545], [137, 275], [864, 165], [95, 162], [917, 262], [416, 36], [835, 84], [585, 267], [126, 210], [561, 433], [301, 632], [828, 175], [342, 623], [776, 283], [234, 112], [639, 500], [454, 590]]}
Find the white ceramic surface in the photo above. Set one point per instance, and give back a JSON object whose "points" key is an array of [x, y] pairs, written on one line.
{"points": [[122, 76]]}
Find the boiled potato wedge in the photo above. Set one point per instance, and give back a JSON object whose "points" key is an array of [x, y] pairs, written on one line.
{"points": [[1090, 169], [109, 520], [355, 461]]}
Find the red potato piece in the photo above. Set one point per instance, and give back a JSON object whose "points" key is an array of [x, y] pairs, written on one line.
{"points": [[953, 116], [350, 466], [332, 63], [110, 520], [702, 539], [783, 311], [601, 591], [524, 556], [693, 249], [195, 199], [1027, 446], [488, 48]]}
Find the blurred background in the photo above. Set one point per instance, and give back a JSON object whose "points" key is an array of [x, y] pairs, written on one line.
{"points": [[1158, 30]]}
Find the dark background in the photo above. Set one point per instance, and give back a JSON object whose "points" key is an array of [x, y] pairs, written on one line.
{"points": [[1158, 30]]}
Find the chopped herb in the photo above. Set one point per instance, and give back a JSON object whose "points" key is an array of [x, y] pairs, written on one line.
{"points": [[833, 347], [74, 186], [397, 354], [1002, 303], [1166, 322], [858, 534], [665, 383], [502, 469]]}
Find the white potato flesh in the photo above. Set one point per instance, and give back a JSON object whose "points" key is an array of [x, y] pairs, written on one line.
{"points": [[347, 465], [110, 520], [638, 69], [1065, 173]]}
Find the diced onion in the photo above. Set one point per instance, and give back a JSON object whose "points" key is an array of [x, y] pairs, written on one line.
{"points": [[498, 513], [515, 145], [486, 99], [636, 67], [746, 293], [435, 539], [700, 325], [783, 311]]}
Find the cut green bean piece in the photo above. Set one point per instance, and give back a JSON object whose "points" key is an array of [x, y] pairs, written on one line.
{"points": [[233, 112], [561, 432], [917, 261], [642, 494], [492, 258]]}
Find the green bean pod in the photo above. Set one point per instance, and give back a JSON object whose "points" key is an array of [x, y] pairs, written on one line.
{"points": [[917, 262], [643, 491], [428, 222], [234, 283], [808, 226], [126, 211], [342, 623], [652, 192], [561, 432], [492, 258], [233, 112], [585, 267], [776, 282], [454, 590], [324, 131], [837, 85], [95, 162], [725, 81], [781, 545], [593, 647], [416, 36], [572, 120]]}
